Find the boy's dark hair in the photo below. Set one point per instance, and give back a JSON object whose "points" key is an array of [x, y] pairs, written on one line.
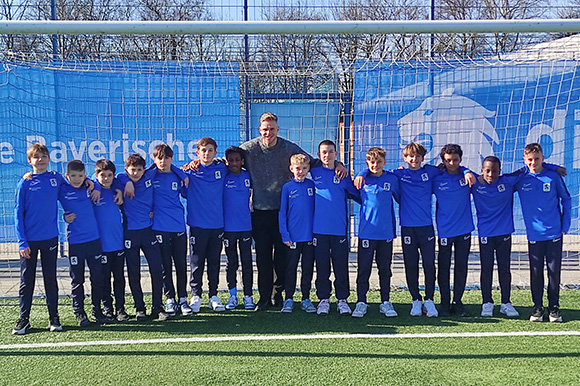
{"points": [[533, 148], [105, 164], [327, 142], [206, 141], [234, 150], [135, 160], [36, 148], [376, 152], [75, 166], [162, 149], [451, 148], [414, 148], [492, 159]]}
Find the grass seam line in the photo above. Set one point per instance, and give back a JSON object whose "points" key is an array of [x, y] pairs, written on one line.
{"points": [[286, 337]]}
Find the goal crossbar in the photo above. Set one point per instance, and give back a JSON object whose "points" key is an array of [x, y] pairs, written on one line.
{"points": [[70, 27]]}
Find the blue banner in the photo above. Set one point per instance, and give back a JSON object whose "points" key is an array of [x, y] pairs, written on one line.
{"points": [[95, 110], [487, 108]]}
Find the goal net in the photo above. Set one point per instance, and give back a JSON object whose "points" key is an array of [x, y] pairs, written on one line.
{"points": [[93, 96]]}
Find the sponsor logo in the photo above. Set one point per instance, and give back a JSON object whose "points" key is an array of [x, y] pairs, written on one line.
{"points": [[120, 253], [74, 260], [342, 241], [52, 248], [556, 240], [174, 186], [179, 234], [424, 177], [430, 238], [221, 235], [127, 244], [466, 237], [148, 183], [310, 192], [501, 188], [365, 243], [546, 187], [309, 243], [483, 240], [407, 240], [246, 239], [532, 242], [218, 175], [53, 182], [507, 238], [443, 241], [154, 242]]}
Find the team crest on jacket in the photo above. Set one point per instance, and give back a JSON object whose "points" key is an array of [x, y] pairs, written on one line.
{"points": [[501, 188], [53, 182], [147, 183], [425, 177], [310, 192], [218, 175], [247, 183], [462, 182], [174, 186], [127, 244], [387, 186], [547, 187], [336, 180]]}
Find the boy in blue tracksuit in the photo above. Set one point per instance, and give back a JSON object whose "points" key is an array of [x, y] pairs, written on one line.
{"points": [[238, 228], [205, 217], [139, 236], [37, 231], [376, 231], [295, 222], [546, 206], [330, 229], [454, 226], [84, 243], [110, 224], [169, 228]]}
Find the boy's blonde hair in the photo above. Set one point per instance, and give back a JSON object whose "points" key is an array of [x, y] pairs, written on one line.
{"points": [[533, 148], [206, 141], [299, 158], [376, 152], [36, 148], [268, 117], [414, 148]]}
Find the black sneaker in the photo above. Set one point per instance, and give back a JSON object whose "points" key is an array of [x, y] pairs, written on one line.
{"points": [[54, 324], [141, 316], [160, 314], [22, 326], [459, 309], [278, 301], [122, 316], [444, 309], [103, 319], [555, 315], [108, 313], [263, 305], [82, 319], [537, 315]]}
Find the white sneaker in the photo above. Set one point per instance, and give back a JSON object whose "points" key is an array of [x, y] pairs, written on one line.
{"points": [[170, 307], [323, 307], [343, 308], [417, 308], [216, 304], [360, 310], [487, 310], [195, 304], [508, 310], [249, 303], [232, 302], [430, 309], [388, 309], [185, 308]]}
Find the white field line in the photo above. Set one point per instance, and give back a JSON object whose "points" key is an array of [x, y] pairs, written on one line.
{"points": [[247, 338]]}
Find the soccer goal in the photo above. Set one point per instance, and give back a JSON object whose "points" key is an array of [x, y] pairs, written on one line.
{"points": [[91, 90]]}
